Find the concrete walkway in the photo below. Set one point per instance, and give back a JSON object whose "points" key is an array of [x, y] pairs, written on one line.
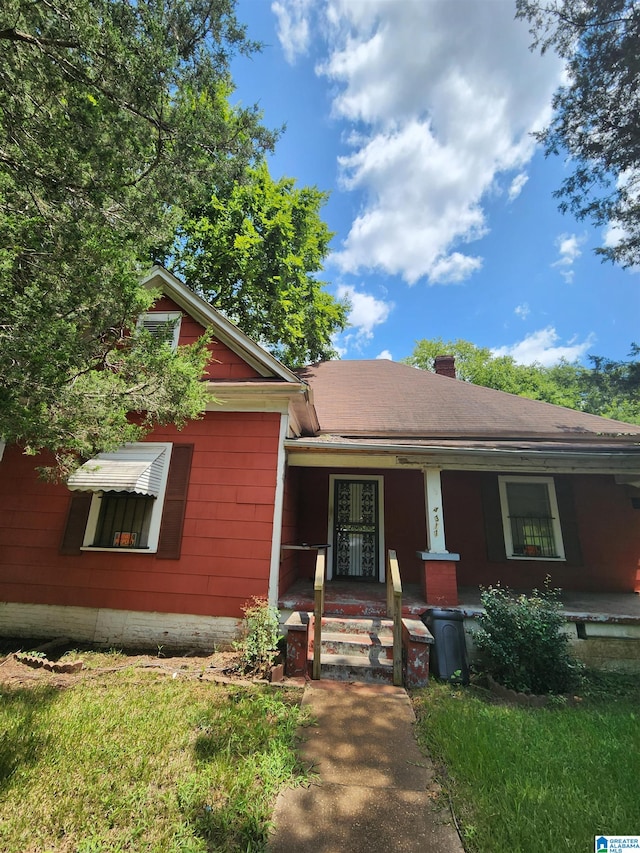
{"points": [[374, 789]]}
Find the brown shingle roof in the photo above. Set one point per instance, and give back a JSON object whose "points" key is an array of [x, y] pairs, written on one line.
{"points": [[381, 398]]}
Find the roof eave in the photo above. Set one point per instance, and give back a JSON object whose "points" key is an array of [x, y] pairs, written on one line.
{"points": [[227, 332], [594, 460]]}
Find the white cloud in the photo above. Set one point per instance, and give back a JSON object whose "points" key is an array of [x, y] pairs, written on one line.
{"points": [[367, 312], [569, 251], [569, 248], [293, 26], [522, 311], [517, 185], [439, 99], [614, 234], [385, 354], [454, 268], [544, 348]]}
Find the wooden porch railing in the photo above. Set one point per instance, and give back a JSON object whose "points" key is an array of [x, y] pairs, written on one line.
{"points": [[318, 612], [394, 611]]}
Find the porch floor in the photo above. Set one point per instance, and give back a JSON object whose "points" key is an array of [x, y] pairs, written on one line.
{"points": [[616, 607], [350, 598]]}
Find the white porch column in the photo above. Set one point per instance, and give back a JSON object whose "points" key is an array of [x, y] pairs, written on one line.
{"points": [[278, 507], [435, 516]]}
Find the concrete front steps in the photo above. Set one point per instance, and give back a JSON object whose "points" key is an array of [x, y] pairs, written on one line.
{"points": [[355, 649]]}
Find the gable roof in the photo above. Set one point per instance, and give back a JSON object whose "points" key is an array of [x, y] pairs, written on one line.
{"points": [[380, 399], [228, 333]]}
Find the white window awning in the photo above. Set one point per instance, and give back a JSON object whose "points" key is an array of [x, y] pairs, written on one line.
{"points": [[130, 469]]}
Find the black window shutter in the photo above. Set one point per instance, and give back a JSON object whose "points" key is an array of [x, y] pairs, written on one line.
{"points": [[493, 529], [568, 521], [76, 524], [175, 502]]}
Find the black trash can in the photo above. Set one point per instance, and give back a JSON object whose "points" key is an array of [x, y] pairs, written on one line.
{"points": [[449, 650]]}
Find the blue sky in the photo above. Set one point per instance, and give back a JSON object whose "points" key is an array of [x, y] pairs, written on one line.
{"points": [[416, 116]]}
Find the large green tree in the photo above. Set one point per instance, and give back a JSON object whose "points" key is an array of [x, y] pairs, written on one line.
{"points": [[608, 388], [254, 251], [114, 116], [612, 388], [595, 120]]}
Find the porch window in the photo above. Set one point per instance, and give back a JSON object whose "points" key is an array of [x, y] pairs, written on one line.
{"points": [[530, 518]]}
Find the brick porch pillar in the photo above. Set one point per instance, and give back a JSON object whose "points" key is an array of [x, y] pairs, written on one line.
{"points": [[439, 578], [416, 645], [297, 628]]}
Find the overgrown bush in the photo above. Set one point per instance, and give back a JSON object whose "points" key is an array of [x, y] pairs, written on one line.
{"points": [[259, 645], [521, 642]]}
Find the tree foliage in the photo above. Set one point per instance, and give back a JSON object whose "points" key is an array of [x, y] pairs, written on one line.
{"points": [[595, 118], [114, 115], [608, 388], [253, 251], [613, 387]]}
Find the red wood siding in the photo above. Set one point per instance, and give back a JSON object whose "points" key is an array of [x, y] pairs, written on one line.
{"points": [[226, 546], [289, 559], [224, 363], [608, 530]]}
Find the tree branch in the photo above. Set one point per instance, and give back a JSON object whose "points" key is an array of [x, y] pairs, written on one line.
{"points": [[12, 34]]}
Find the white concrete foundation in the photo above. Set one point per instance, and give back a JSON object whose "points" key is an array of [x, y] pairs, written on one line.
{"points": [[120, 628]]}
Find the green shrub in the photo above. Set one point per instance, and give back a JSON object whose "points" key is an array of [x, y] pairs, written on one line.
{"points": [[259, 645], [521, 643]]}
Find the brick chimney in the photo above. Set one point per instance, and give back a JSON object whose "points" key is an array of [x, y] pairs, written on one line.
{"points": [[445, 365]]}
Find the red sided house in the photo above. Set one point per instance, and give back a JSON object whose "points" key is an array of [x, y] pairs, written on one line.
{"points": [[165, 541]]}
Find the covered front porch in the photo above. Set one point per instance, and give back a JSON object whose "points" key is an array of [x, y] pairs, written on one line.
{"points": [[355, 516], [603, 628], [451, 531]]}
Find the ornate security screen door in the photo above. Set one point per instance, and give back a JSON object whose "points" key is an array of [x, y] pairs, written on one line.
{"points": [[356, 529]]}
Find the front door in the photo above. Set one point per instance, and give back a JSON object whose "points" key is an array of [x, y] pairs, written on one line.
{"points": [[356, 528]]}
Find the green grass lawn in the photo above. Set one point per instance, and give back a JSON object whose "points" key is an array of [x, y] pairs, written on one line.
{"points": [[134, 760], [522, 780]]}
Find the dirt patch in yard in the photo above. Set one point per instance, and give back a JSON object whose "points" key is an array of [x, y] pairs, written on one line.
{"points": [[28, 663]]}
